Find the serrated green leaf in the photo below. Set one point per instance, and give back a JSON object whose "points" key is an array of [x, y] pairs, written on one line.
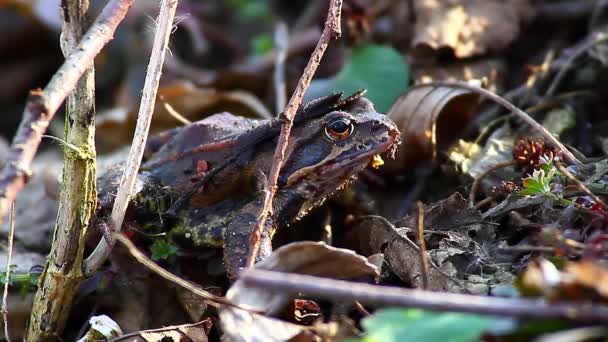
{"points": [[379, 69], [414, 325]]}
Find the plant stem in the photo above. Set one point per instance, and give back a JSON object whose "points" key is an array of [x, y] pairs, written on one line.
{"points": [[63, 275]]}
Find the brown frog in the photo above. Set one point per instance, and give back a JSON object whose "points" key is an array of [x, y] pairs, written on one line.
{"points": [[203, 183]]}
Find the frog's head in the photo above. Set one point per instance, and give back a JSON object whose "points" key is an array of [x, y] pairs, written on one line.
{"points": [[326, 152]]}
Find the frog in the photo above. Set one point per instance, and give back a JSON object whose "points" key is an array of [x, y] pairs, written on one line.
{"points": [[203, 184]]}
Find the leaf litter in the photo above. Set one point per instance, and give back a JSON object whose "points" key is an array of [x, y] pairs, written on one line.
{"points": [[537, 225]]}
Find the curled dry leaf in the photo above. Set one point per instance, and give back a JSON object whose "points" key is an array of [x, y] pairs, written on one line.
{"points": [[429, 118], [468, 27], [311, 258], [116, 127]]}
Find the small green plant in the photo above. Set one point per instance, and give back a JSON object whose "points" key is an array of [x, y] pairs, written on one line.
{"points": [[25, 281], [163, 249], [541, 181]]}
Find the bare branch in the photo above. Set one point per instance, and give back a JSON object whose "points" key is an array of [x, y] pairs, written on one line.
{"points": [[144, 118], [331, 30], [340, 290], [42, 104]]}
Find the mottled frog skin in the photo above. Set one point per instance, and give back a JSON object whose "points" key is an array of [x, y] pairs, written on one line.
{"points": [[203, 183]]}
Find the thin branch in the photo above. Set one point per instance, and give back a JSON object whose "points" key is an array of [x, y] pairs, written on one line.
{"points": [[340, 290], [424, 262], [144, 118], [9, 261], [42, 104], [331, 30], [581, 185], [568, 156], [152, 266], [478, 179], [598, 38], [281, 42]]}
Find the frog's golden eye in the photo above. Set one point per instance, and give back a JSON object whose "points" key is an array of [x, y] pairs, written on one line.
{"points": [[339, 128]]}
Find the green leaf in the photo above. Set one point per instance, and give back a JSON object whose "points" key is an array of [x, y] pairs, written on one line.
{"points": [[379, 69], [261, 44], [415, 325], [163, 249]]}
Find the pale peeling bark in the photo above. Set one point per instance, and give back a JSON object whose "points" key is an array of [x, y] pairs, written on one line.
{"points": [[63, 273]]}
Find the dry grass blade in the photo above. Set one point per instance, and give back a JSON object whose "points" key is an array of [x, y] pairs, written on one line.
{"points": [[7, 277], [424, 262]]}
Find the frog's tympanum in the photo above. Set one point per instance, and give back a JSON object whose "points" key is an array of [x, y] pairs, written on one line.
{"points": [[203, 183]]}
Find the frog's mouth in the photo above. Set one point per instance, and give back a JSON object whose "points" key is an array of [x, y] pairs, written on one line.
{"points": [[349, 159]]}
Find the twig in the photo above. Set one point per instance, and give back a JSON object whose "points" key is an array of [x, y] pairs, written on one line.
{"points": [[152, 266], [581, 185], [424, 262], [340, 290], [597, 39], [144, 117], [42, 104], [331, 30], [478, 179], [568, 156], [281, 42], [62, 275], [7, 278]]}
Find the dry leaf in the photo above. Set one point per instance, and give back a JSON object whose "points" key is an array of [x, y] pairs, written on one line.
{"points": [[196, 332], [115, 128], [490, 70], [468, 27], [429, 117], [591, 275], [311, 258]]}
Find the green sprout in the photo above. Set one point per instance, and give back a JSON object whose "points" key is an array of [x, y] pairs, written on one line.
{"points": [[163, 249]]}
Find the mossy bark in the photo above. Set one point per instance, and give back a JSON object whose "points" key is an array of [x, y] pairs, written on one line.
{"points": [[63, 272]]}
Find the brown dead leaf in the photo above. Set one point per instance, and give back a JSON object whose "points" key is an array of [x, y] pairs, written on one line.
{"points": [[468, 27], [311, 258], [591, 275], [116, 127], [429, 118], [584, 280]]}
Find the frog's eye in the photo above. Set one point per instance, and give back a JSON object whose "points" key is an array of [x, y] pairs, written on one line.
{"points": [[339, 128]]}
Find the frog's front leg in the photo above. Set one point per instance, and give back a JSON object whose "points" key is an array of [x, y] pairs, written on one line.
{"points": [[236, 239]]}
